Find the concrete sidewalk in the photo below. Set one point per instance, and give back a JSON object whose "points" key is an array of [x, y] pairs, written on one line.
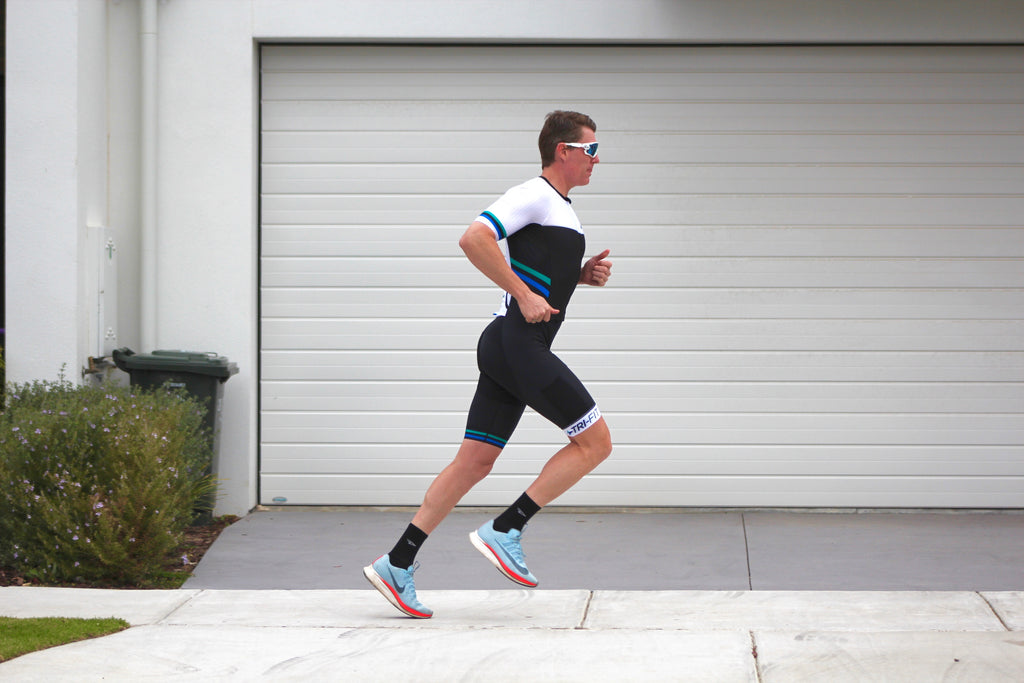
{"points": [[758, 596], [521, 635]]}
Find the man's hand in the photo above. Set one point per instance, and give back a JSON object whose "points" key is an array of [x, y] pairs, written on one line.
{"points": [[535, 308], [596, 270]]}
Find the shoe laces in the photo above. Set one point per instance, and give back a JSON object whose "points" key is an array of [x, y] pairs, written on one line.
{"points": [[411, 585], [513, 546]]}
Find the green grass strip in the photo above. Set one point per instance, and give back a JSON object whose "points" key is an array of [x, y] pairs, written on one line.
{"points": [[21, 636]]}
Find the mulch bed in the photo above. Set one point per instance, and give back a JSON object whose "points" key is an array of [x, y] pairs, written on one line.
{"points": [[197, 540]]}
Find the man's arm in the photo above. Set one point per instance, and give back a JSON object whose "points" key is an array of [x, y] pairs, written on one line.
{"points": [[481, 248]]}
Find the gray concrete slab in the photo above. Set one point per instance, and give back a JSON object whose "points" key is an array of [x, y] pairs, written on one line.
{"points": [[859, 657], [327, 549], [137, 607], [237, 653], [366, 609], [885, 551], [845, 611]]}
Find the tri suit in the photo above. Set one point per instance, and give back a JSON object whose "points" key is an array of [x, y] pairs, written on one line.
{"points": [[545, 248]]}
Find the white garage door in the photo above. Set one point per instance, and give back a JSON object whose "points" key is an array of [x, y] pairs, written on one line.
{"points": [[818, 288]]}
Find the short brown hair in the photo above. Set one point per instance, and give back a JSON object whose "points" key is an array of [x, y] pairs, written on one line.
{"points": [[561, 126]]}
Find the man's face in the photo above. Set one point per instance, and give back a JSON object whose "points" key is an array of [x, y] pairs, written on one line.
{"points": [[578, 165]]}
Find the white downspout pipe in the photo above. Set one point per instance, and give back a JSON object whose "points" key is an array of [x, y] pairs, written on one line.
{"points": [[150, 241]]}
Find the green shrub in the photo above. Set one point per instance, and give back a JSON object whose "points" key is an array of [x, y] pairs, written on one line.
{"points": [[98, 483]]}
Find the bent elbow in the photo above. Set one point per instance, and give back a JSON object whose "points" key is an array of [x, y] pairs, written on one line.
{"points": [[475, 239]]}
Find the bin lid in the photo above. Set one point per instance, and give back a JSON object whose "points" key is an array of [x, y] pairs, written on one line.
{"points": [[195, 362]]}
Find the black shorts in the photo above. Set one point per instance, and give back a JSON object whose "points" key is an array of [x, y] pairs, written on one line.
{"points": [[518, 369]]}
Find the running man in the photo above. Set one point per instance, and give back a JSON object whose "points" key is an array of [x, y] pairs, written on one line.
{"points": [[545, 246]]}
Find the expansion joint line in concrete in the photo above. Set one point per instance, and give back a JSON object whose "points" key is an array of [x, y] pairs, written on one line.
{"points": [[753, 654], [746, 551], [586, 611], [994, 611]]}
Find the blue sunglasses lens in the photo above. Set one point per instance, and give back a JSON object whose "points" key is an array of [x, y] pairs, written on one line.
{"points": [[591, 149]]}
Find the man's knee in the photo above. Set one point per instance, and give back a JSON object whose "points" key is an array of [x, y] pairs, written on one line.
{"points": [[596, 442], [475, 459]]}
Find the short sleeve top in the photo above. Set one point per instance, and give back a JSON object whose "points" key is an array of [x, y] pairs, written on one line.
{"points": [[544, 238]]}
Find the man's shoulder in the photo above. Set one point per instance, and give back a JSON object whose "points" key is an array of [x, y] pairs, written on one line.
{"points": [[536, 184], [535, 189]]}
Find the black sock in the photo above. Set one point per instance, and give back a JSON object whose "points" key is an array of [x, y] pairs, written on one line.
{"points": [[517, 515], [404, 552]]}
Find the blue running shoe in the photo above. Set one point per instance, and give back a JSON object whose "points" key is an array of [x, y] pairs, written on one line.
{"points": [[505, 552], [397, 586]]}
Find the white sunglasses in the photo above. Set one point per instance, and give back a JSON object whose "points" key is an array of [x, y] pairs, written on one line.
{"points": [[589, 148]]}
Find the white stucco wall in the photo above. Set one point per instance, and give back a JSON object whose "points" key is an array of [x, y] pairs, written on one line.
{"points": [[72, 145], [42, 179], [207, 247], [57, 186]]}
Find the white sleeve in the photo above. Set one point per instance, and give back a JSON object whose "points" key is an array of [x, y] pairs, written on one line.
{"points": [[514, 210]]}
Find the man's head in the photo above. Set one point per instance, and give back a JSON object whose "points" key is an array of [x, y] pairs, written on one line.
{"points": [[561, 126]]}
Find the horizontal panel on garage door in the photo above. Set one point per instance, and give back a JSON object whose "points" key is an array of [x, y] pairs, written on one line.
{"points": [[647, 210], [817, 294], [678, 241], [621, 303], [1001, 117], [646, 428], [681, 272], [877, 367], [665, 335], [666, 396], [914, 491], [679, 459], [705, 169]]}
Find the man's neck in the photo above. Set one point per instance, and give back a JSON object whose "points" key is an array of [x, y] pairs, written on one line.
{"points": [[557, 181]]}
